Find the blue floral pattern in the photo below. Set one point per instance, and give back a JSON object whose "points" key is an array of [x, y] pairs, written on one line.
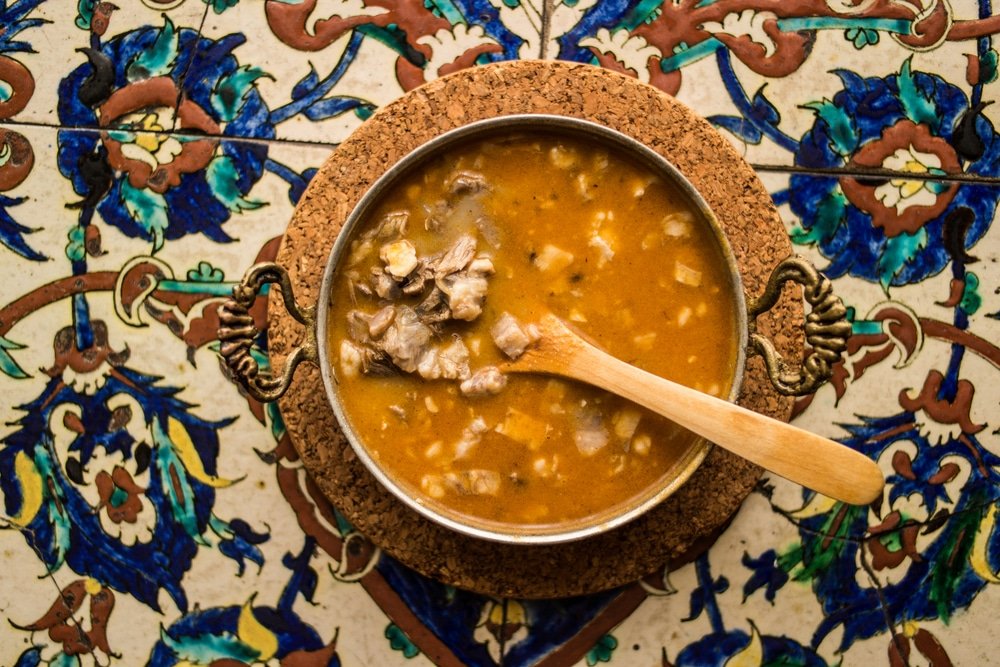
{"points": [[868, 214], [140, 87]]}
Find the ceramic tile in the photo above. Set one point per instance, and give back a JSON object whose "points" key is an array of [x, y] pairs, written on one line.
{"points": [[725, 606], [321, 68], [803, 85], [65, 60], [172, 511]]}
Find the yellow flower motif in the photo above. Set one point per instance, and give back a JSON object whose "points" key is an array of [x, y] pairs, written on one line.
{"points": [[148, 140], [902, 193]]}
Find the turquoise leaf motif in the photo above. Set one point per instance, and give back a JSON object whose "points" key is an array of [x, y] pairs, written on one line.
{"points": [[278, 429], [602, 650], [159, 59], [988, 67], [830, 215], [971, 300], [180, 495], [57, 504], [917, 106], [219, 6], [843, 134], [861, 37], [63, 660], [898, 252], [205, 273], [75, 249], [223, 177], [85, 13], [400, 642], [148, 209], [231, 91], [10, 367], [206, 648]]}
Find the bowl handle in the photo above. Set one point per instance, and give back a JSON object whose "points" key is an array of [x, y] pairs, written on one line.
{"points": [[826, 327], [238, 332]]}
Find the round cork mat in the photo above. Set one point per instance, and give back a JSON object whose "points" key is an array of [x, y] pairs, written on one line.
{"points": [[686, 522]]}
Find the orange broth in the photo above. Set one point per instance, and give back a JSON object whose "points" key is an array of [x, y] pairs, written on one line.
{"points": [[573, 229]]}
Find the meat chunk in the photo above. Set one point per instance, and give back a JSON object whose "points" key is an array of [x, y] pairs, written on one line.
{"points": [[625, 423], [685, 275], [416, 282], [511, 337], [553, 258], [487, 381], [384, 285], [523, 428], [380, 321], [457, 257], [355, 358], [450, 363], [391, 226], [399, 257], [357, 326], [406, 339], [466, 482], [466, 182], [454, 361], [434, 308], [482, 265], [466, 294]]}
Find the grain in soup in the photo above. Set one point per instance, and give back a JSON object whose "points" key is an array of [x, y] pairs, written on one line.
{"points": [[442, 284]]}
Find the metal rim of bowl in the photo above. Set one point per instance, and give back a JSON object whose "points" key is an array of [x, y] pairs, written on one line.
{"points": [[434, 510]]}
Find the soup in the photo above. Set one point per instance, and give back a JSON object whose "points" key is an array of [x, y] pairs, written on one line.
{"points": [[441, 285]]}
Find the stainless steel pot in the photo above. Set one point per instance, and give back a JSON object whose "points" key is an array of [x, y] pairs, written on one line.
{"points": [[826, 329]]}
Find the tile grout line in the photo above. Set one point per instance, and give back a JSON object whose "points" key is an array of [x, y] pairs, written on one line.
{"points": [[183, 78], [871, 174], [762, 168], [883, 604], [183, 135]]}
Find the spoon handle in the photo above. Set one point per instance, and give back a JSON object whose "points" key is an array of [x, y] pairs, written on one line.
{"points": [[791, 452]]}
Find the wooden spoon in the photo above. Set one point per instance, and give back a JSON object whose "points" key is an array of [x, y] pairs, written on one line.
{"points": [[797, 455]]}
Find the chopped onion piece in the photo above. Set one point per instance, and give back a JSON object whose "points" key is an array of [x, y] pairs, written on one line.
{"points": [[685, 275], [625, 422], [607, 254], [645, 341], [677, 225], [552, 258]]}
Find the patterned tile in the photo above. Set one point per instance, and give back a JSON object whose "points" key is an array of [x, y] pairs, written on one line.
{"points": [[158, 516], [323, 67], [806, 84], [63, 60]]}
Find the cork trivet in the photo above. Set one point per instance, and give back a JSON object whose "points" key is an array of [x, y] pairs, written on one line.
{"points": [[684, 523]]}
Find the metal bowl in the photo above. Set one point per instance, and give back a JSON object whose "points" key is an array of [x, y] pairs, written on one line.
{"points": [[238, 330]]}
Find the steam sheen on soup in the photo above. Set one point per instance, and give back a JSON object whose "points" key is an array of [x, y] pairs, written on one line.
{"points": [[442, 283]]}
